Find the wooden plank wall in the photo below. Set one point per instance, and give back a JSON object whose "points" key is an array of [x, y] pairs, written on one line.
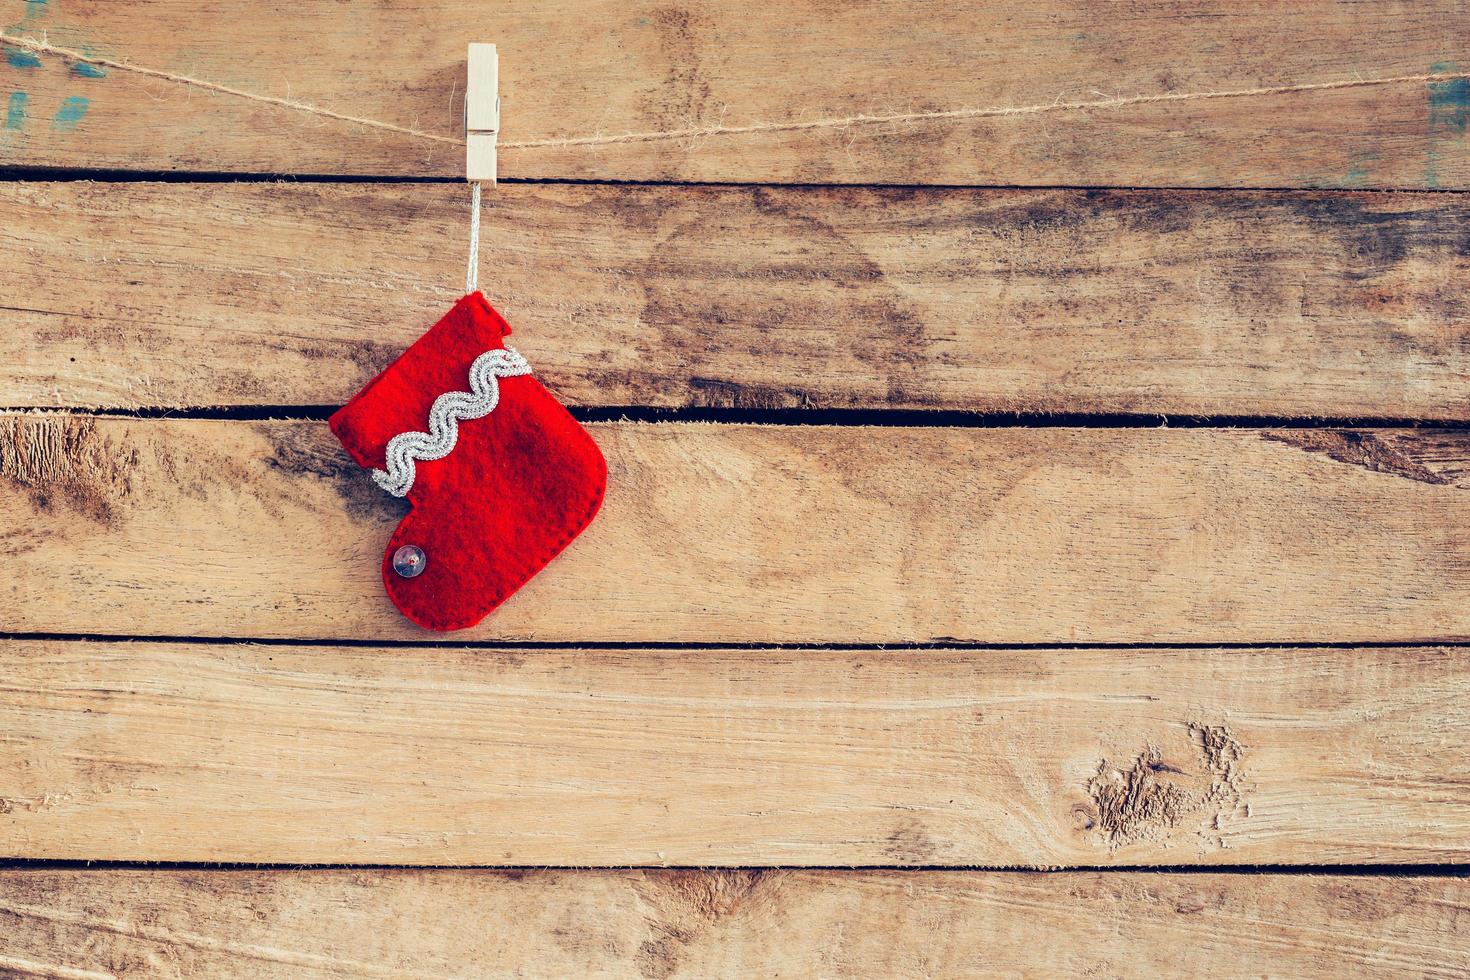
{"points": [[1038, 532]]}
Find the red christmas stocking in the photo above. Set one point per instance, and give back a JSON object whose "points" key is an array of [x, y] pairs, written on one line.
{"points": [[500, 476]]}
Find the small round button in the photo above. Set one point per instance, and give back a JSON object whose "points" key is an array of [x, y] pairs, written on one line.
{"points": [[409, 560]]}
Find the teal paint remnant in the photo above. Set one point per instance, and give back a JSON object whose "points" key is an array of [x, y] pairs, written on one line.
{"points": [[1449, 116], [1357, 176], [1449, 101], [84, 70], [1361, 167], [22, 59], [15, 110], [73, 108]]}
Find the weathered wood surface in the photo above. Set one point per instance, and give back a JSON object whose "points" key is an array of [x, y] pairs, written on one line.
{"points": [[423, 755], [658, 924], [1291, 304], [749, 533], [577, 68]]}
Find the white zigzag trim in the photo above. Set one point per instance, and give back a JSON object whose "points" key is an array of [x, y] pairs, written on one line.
{"points": [[449, 410]]}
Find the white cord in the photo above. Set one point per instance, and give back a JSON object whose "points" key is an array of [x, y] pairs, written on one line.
{"points": [[472, 277]]}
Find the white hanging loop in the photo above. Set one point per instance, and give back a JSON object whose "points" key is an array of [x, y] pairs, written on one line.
{"points": [[472, 276]]}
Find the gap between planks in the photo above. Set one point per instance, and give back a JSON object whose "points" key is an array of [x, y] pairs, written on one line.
{"points": [[866, 417], [1281, 870], [895, 647], [65, 175]]}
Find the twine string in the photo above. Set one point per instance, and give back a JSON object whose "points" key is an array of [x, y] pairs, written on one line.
{"points": [[472, 276], [41, 46], [36, 45]]}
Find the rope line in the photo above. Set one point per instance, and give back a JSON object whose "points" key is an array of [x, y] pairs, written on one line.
{"points": [[40, 46]]}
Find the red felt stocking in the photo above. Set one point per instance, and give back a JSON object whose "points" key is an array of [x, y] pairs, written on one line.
{"points": [[500, 476]]}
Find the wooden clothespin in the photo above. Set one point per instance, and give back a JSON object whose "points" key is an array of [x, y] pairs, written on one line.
{"points": [[482, 113]]}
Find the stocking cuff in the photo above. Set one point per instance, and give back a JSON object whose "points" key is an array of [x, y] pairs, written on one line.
{"points": [[413, 393]]}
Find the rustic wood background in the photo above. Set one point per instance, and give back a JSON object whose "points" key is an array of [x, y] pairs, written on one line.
{"points": [[1038, 538]]}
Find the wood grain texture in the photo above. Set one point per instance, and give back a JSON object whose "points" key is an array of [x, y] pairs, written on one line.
{"points": [[574, 68], [450, 756], [746, 533], [661, 924], [1290, 304]]}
